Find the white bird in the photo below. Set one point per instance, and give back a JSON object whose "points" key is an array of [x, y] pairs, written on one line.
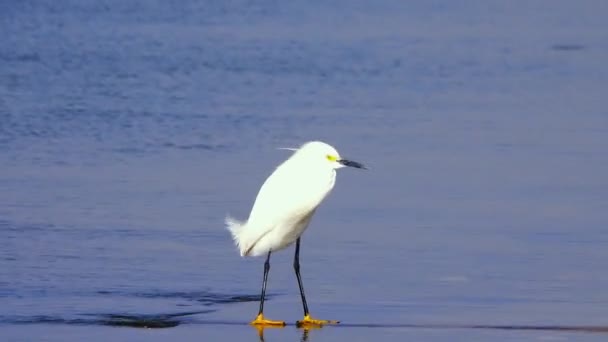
{"points": [[283, 209]]}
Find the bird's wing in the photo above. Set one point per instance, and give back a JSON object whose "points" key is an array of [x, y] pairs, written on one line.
{"points": [[286, 198]]}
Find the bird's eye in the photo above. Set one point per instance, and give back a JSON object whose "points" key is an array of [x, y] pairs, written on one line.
{"points": [[331, 158]]}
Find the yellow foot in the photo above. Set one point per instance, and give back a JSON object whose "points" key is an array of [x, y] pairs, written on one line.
{"points": [[260, 320], [308, 321]]}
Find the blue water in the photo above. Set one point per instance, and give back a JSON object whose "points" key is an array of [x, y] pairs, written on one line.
{"points": [[129, 129]]}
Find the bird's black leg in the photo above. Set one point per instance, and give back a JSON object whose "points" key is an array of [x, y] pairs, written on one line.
{"points": [[296, 268], [264, 282], [307, 321], [260, 320]]}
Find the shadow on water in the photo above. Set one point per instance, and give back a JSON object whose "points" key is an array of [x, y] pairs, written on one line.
{"points": [[147, 321], [138, 320], [168, 320], [205, 298], [117, 320]]}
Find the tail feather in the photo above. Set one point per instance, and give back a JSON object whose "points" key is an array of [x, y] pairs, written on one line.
{"points": [[236, 228]]}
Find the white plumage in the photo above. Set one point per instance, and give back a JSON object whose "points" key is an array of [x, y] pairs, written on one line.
{"points": [[288, 199]]}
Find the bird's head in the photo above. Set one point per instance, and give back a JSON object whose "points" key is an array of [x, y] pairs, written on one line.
{"points": [[324, 154]]}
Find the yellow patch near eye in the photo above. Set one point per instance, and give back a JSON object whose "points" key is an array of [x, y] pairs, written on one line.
{"points": [[331, 158]]}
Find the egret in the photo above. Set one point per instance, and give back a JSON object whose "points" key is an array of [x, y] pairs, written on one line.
{"points": [[283, 209]]}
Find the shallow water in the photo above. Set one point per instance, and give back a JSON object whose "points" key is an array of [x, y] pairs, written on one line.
{"points": [[129, 129]]}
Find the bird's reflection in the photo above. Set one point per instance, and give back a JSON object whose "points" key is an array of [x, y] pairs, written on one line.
{"points": [[305, 331], [260, 330]]}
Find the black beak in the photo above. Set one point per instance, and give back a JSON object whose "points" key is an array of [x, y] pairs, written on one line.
{"points": [[351, 163]]}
